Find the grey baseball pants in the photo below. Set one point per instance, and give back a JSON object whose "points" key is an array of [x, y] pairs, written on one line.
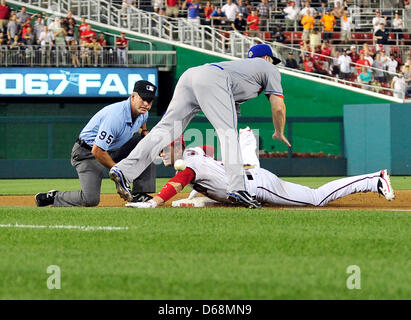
{"points": [[205, 88], [91, 172]]}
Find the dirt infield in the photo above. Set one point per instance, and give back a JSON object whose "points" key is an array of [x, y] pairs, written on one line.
{"points": [[360, 201]]}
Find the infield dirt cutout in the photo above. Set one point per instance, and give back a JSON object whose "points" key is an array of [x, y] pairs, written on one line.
{"points": [[359, 201]]}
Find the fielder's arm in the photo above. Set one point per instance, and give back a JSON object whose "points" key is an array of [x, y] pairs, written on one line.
{"points": [[278, 114], [102, 156]]}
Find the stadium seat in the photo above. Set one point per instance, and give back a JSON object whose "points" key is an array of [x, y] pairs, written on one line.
{"points": [[266, 35], [369, 37]]}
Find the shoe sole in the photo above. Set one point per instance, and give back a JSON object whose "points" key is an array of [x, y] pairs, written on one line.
{"points": [[385, 176], [236, 199], [122, 191]]}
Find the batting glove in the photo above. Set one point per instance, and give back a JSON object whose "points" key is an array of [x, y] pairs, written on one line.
{"points": [[142, 205]]}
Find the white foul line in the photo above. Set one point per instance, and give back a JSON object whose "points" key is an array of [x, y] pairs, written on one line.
{"points": [[81, 228]]}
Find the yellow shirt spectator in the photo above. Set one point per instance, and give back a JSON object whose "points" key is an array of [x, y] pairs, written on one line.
{"points": [[308, 22], [328, 21]]}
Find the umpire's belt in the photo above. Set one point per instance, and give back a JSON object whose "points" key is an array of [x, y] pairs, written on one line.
{"points": [[83, 144]]}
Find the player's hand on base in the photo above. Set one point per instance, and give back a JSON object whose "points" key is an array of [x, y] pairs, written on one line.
{"points": [[281, 137], [142, 205]]}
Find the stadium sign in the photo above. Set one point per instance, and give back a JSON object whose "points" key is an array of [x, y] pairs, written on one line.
{"points": [[72, 82]]}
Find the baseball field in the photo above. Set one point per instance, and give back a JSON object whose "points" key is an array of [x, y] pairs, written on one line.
{"points": [[357, 247]]}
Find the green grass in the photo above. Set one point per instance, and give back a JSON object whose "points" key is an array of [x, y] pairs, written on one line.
{"points": [[33, 186], [205, 254], [215, 253]]}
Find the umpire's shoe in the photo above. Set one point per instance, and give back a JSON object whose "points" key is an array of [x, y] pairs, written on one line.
{"points": [[123, 187], [141, 197], [243, 198], [45, 199]]}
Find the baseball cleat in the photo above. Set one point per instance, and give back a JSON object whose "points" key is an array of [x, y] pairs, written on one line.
{"points": [[44, 199], [141, 197], [384, 186], [243, 198], [122, 186]]}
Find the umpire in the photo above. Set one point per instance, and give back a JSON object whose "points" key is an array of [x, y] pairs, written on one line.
{"points": [[107, 138]]}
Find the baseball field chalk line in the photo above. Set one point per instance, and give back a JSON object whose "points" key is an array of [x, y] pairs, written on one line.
{"points": [[81, 228], [345, 209]]}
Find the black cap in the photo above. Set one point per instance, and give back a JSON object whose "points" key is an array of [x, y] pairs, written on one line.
{"points": [[145, 89]]}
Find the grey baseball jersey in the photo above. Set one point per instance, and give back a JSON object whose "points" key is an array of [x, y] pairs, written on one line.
{"points": [[216, 89]]}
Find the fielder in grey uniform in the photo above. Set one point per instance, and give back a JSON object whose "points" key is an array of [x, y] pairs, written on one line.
{"points": [[107, 138], [216, 89]]}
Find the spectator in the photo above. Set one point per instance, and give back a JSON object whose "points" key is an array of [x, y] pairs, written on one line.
{"points": [[230, 9], [335, 67], [12, 28], [126, 6], [291, 15], [74, 53], [208, 10], [398, 28], [308, 24], [38, 29], [308, 64], [378, 64], [172, 7], [307, 8], [101, 40], [70, 31], [65, 21], [59, 39], [28, 41], [122, 46], [407, 76], [85, 53], [82, 28], [328, 22], [361, 62], [46, 42], [290, 62], [253, 23], [344, 61], [323, 9], [158, 5], [391, 65], [88, 35], [377, 21], [353, 54], [97, 50], [25, 25], [382, 35], [338, 10], [218, 17], [4, 15], [315, 39], [193, 11], [242, 7], [239, 23], [346, 25], [365, 77], [22, 16], [277, 35], [325, 54], [263, 10], [399, 85]]}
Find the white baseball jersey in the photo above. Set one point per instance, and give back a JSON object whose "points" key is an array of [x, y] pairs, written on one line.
{"points": [[211, 180]]}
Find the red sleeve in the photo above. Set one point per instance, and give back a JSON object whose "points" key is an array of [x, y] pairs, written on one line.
{"points": [[183, 177]]}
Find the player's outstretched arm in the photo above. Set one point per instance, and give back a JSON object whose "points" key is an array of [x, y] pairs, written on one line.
{"points": [[278, 114], [168, 191]]}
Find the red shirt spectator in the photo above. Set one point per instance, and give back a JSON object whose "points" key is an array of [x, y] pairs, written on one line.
{"points": [[122, 42], [4, 11], [354, 55], [88, 35], [254, 25], [308, 65], [101, 40], [208, 10], [361, 62], [82, 27]]}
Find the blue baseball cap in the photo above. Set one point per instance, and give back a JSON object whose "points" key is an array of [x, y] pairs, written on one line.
{"points": [[261, 50]]}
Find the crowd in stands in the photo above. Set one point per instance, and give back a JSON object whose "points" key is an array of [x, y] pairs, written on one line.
{"points": [[323, 34], [52, 40]]}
